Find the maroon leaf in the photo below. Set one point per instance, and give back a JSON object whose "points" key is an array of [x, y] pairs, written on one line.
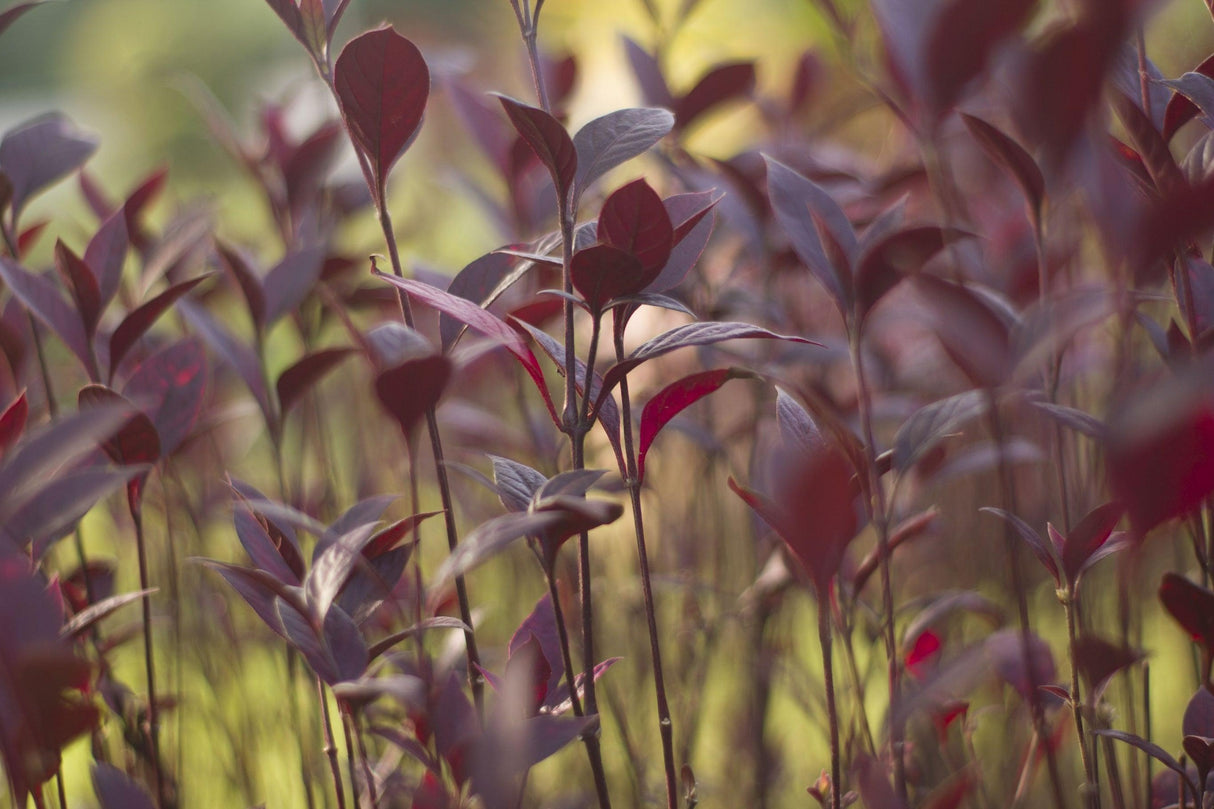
{"points": [[793, 198], [963, 36], [239, 356], [475, 282], [83, 286], [616, 138], [39, 152], [41, 298], [12, 422], [289, 282], [1199, 714], [386, 539], [382, 83], [305, 372], [547, 138], [1191, 605], [1098, 660], [106, 254], [241, 267], [721, 84], [1180, 109], [275, 555], [1013, 158], [136, 441], [412, 388], [634, 220], [971, 331], [1160, 454], [875, 788], [136, 324], [673, 399], [170, 387], [52, 512], [886, 262], [1088, 537], [288, 12], [479, 320], [602, 273], [1046, 554]]}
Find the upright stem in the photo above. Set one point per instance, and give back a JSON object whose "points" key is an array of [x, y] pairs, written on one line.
{"points": [[832, 715], [1091, 789], [331, 745], [665, 724], [149, 664], [558, 614]]}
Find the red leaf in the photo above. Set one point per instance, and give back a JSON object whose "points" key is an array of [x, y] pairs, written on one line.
{"points": [[136, 441], [82, 284], [247, 278], [923, 652], [634, 219], [410, 389], [673, 399], [722, 83], [547, 138], [295, 381], [382, 83], [12, 422]]}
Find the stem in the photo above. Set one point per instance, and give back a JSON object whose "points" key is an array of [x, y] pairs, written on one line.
{"points": [[149, 664], [1091, 789], [350, 766], [878, 513], [828, 678], [330, 745], [665, 724], [563, 633]]}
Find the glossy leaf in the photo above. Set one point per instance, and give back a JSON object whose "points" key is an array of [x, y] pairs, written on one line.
{"points": [[382, 83], [672, 400], [615, 138]]}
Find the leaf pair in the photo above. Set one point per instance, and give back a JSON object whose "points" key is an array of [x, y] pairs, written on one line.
{"points": [[1068, 557]]}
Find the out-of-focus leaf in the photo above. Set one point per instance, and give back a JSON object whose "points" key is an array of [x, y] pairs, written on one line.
{"points": [[412, 388], [116, 791], [294, 382], [39, 152], [83, 620]]}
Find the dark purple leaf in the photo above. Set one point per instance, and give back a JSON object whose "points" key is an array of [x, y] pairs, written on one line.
{"points": [[116, 791], [559, 702], [346, 646], [82, 285], [721, 84], [875, 788], [441, 622], [59, 504], [1180, 110], [1077, 420], [475, 282], [263, 550], [689, 246], [540, 625], [797, 427], [39, 152], [1150, 748], [1191, 605], [136, 324], [382, 83], [1045, 553], [235, 353], [304, 638], [1013, 158], [170, 387], [409, 390], [962, 39], [932, 423], [136, 441], [602, 272], [673, 399], [634, 220], [547, 138], [794, 199], [247, 278], [106, 254], [615, 138], [290, 281], [970, 329], [304, 373], [330, 572], [1098, 660], [40, 297], [886, 262], [1086, 539], [648, 74], [1199, 714]]}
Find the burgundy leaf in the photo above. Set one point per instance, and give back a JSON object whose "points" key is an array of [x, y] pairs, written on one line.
{"points": [[1150, 748], [886, 262], [970, 330], [634, 220], [686, 211], [41, 298], [1098, 660], [1198, 88], [1156, 157], [239, 356], [1180, 109], [1023, 662], [83, 286], [288, 12], [266, 553], [547, 138], [963, 36], [1192, 606], [106, 254], [136, 441], [170, 386], [386, 539], [260, 590], [55, 508], [1086, 538], [136, 324], [39, 152], [691, 237], [528, 658], [1045, 553], [304, 373], [540, 626], [247, 278], [479, 320], [721, 84], [410, 389], [1199, 714], [289, 282], [602, 272], [1013, 158], [673, 399], [382, 83], [793, 198], [12, 422], [615, 138], [331, 570]]}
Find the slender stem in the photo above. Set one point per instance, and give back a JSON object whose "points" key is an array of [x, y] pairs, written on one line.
{"points": [[60, 789], [828, 678], [149, 663], [1091, 789], [665, 724], [330, 745], [362, 753], [563, 633], [350, 766], [879, 514]]}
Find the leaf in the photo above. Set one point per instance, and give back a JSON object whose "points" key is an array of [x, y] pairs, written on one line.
{"points": [[290, 281], [648, 75], [634, 220], [548, 139], [1077, 420], [963, 36], [136, 324], [479, 320], [331, 570], [475, 282], [970, 329], [1180, 110], [886, 262], [1191, 605], [40, 297], [1199, 89], [39, 152], [1045, 553], [1098, 660], [235, 353], [382, 84], [12, 422], [687, 336], [439, 622], [247, 279], [304, 373], [170, 386], [1088, 537], [82, 285], [136, 441], [267, 554], [721, 84], [409, 390], [1199, 714], [794, 199], [10, 15], [116, 791], [516, 483], [615, 138], [59, 504], [673, 399], [602, 272], [875, 788], [1013, 158], [932, 423], [106, 254], [85, 619], [1151, 749]]}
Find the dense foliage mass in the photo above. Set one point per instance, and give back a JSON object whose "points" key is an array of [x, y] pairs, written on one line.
{"points": [[396, 538]]}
